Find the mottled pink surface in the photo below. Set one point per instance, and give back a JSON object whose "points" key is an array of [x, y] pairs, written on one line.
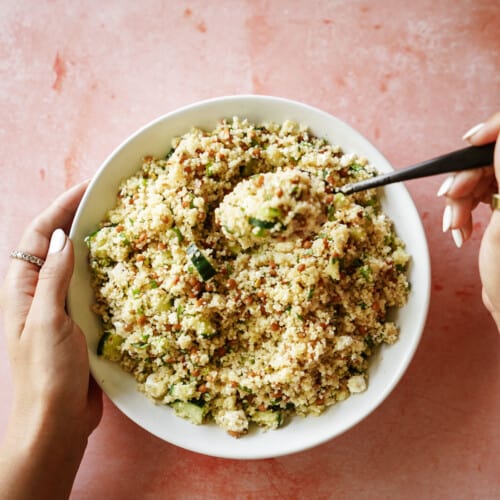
{"points": [[411, 76]]}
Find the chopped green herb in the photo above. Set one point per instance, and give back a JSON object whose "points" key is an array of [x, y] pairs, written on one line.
{"points": [[178, 233], [92, 234], [124, 238], [331, 212], [209, 169], [366, 272], [355, 167]]}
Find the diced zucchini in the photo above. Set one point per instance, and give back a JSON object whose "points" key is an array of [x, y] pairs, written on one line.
{"points": [[358, 233], [268, 213], [204, 328], [200, 262], [109, 346], [234, 248], [263, 224], [340, 200], [164, 304], [190, 411], [400, 257], [268, 418], [333, 270]]}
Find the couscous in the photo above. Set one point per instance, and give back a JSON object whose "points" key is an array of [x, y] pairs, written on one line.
{"points": [[237, 286]]}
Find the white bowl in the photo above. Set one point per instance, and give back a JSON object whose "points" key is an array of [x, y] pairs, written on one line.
{"points": [[387, 366]]}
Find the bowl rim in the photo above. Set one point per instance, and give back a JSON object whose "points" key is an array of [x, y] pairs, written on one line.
{"points": [[423, 259]]}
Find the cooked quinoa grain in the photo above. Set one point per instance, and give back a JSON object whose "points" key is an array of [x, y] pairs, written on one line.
{"points": [[236, 286]]}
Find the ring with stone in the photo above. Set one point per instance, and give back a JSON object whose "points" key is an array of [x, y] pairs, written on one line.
{"points": [[27, 257]]}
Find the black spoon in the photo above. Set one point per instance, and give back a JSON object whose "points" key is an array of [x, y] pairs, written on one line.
{"points": [[462, 159]]}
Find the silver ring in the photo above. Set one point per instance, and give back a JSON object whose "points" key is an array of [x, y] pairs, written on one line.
{"points": [[27, 257], [495, 202]]}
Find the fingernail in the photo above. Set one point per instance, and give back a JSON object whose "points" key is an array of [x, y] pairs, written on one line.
{"points": [[472, 131], [447, 216], [446, 185], [458, 237], [57, 241]]}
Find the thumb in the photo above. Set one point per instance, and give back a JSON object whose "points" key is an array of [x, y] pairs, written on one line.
{"points": [[55, 274]]}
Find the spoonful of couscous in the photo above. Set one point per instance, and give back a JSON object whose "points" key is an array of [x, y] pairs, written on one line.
{"points": [[273, 206]]}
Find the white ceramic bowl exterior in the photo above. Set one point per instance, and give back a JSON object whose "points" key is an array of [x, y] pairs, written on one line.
{"points": [[387, 366]]}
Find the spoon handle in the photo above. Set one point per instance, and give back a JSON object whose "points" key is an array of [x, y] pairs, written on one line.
{"points": [[462, 159]]}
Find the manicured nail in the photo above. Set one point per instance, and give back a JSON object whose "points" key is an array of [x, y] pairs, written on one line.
{"points": [[458, 237], [446, 185], [447, 217], [57, 241], [472, 131]]}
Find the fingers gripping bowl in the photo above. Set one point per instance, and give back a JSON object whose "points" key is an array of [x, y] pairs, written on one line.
{"points": [[277, 226]]}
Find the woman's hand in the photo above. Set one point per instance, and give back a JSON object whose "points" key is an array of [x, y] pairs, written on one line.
{"points": [[56, 403], [463, 192]]}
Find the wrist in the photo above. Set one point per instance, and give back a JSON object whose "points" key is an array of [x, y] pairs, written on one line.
{"points": [[40, 455], [36, 427]]}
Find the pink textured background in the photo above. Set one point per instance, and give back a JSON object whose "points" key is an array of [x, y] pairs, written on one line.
{"points": [[411, 76]]}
